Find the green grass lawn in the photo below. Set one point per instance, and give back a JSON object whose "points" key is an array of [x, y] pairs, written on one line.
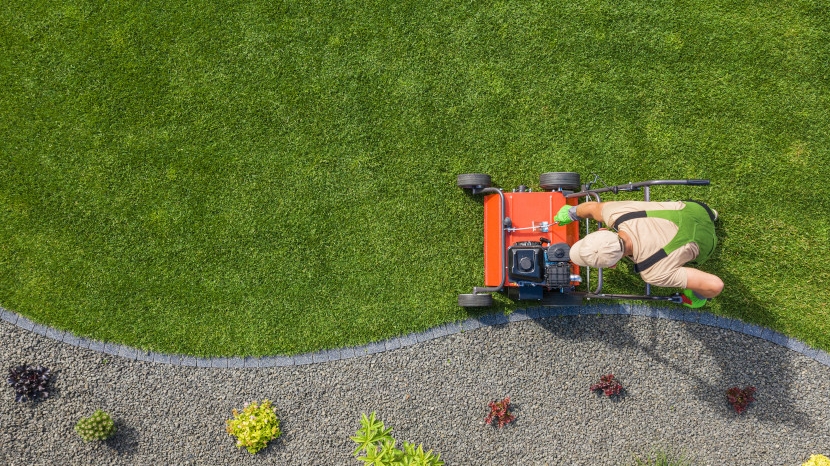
{"points": [[260, 177]]}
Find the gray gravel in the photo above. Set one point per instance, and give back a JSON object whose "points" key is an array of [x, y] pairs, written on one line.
{"points": [[435, 393]]}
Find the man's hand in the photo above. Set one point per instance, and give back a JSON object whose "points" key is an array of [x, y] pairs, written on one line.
{"points": [[566, 215]]}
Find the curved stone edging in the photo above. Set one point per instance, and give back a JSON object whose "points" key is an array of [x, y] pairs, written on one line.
{"points": [[703, 318]]}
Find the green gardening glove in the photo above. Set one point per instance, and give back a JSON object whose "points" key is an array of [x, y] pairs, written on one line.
{"points": [[566, 215], [690, 299]]}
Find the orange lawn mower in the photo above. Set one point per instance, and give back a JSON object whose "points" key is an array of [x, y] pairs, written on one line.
{"points": [[527, 254]]}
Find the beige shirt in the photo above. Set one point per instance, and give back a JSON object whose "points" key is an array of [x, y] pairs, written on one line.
{"points": [[649, 235]]}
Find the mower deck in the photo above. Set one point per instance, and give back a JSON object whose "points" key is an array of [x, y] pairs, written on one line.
{"points": [[531, 216]]}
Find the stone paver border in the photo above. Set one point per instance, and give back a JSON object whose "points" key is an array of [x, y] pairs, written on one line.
{"points": [[703, 318]]}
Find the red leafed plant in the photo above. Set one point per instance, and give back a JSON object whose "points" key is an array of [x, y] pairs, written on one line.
{"points": [[739, 399], [608, 385], [500, 412]]}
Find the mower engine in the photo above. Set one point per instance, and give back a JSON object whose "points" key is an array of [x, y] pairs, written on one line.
{"points": [[535, 268]]}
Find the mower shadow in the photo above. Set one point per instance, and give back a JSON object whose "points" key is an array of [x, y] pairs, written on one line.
{"points": [[740, 359]]}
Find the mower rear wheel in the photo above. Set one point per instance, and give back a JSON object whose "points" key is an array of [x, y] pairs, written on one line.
{"points": [[475, 300], [473, 180], [566, 181]]}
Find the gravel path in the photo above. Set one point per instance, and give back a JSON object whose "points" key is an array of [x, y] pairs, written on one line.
{"points": [[435, 393]]}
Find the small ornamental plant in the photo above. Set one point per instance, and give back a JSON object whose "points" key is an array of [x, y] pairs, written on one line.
{"points": [[608, 384], [99, 426], [817, 460], [499, 413], [29, 382], [377, 445], [659, 457], [255, 426], [740, 398]]}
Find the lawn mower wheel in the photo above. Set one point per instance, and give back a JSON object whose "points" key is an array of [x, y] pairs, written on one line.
{"points": [[473, 180], [475, 300], [565, 181]]}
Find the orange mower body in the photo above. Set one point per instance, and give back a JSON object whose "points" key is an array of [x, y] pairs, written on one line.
{"points": [[530, 214]]}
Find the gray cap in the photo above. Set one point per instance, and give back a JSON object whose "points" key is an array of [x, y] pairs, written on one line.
{"points": [[601, 249]]}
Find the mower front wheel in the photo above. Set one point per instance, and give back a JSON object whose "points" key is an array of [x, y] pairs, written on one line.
{"points": [[566, 181], [473, 180], [475, 300]]}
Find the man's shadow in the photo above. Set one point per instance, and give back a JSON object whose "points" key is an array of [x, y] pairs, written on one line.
{"points": [[755, 367], [770, 371]]}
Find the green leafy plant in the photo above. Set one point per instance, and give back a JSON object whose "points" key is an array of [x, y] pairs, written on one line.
{"points": [[99, 426], [378, 447], [500, 413], [662, 458], [255, 426], [29, 382]]}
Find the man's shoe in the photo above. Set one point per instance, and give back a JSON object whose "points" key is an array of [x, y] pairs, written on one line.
{"points": [[691, 300]]}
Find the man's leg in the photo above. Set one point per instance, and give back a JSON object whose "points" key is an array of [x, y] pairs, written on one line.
{"points": [[704, 284]]}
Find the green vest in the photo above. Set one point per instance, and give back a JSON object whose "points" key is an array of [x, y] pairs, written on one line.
{"points": [[694, 225]]}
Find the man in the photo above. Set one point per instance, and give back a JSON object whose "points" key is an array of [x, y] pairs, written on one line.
{"points": [[659, 237]]}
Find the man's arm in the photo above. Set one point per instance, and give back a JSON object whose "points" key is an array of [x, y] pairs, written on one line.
{"points": [[569, 213], [702, 283], [590, 210]]}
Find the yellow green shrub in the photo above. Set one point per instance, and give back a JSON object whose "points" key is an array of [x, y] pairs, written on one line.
{"points": [[817, 460], [255, 426]]}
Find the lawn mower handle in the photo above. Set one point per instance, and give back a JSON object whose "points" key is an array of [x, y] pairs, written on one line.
{"points": [[676, 298], [637, 186]]}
